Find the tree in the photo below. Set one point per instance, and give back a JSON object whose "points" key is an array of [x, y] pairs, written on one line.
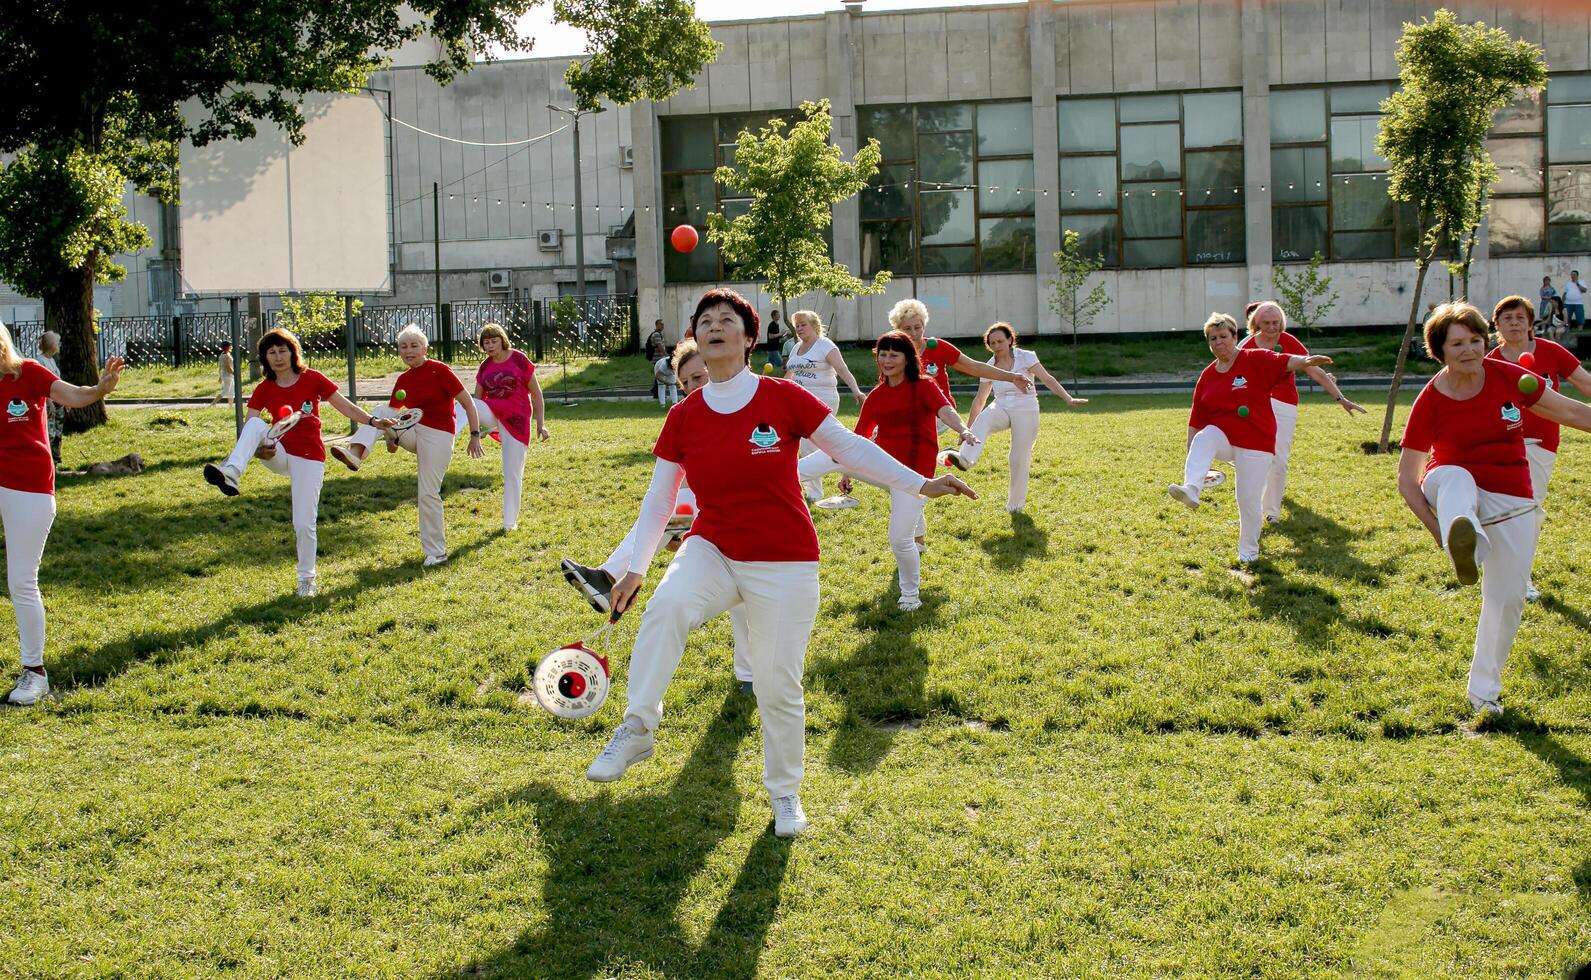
{"points": [[1306, 295], [1454, 77], [96, 93], [1075, 268], [793, 181]]}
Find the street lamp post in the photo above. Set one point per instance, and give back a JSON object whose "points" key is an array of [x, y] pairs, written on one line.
{"points": [[580, 211]]}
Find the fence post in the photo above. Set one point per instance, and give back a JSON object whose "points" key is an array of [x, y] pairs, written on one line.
{"points": [[176, 341], [237, 364], [445, 325], [535, 326], [348, 344]]}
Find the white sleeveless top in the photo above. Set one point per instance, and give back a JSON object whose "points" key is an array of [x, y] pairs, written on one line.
{"points": [[1005, 394], [812, 370]]}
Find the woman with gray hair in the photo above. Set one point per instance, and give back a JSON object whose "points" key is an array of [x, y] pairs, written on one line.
{"points": [[432, 388], [55, 415]]}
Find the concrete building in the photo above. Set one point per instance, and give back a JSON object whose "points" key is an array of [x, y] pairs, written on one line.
{"points": [[1195, 143]]}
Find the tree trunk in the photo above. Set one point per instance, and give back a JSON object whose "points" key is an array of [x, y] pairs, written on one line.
{"points": [[69, 311], [1422, 263]]}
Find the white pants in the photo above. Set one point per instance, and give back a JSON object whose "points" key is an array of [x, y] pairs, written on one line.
{"points": [[831, 398], [667, 394], [1505, 549], [1276, 479], [306, 476], [433, 450], [226, 390], [1541, 464], [1252, 466], [908, 520], [514, 453], [1024, 426], [781, 603], [26, 518]]}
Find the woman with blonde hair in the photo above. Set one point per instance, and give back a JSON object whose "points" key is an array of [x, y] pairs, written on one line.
{"points": [[817, 365], [27, 493], [1014, 410], [507, 399]]}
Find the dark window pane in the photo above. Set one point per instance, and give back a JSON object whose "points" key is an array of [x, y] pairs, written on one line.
{"points": [[1360, 203], [687, 198], [1151, 211], [1087, 124], [1569, 88], [1008, 244], [1215, 237], [1161, 254], [1515, 225], [889, 194], [1297, 233], [1149, 108], [891, 126], [886, 245], [946, 157], [1359, 98], [1518, 163], [1298, 115], [962, 259], [1150, 152], [946, 217], [1353, 145], [726, 154], [1005, 186], [1096, 234], [1212, 119], [1407, 217], [1569, 195], [1569, 238], [1220, 172], [1361, 245], [698, 265], [1569, 134], [734, 208], [688, 143], [1298, 174], [1088, 183], [943, 118], [1005, 129], [1521, 116]]}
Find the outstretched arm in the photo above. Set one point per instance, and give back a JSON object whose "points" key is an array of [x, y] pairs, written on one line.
{"points": [[864, 458], [1297, 362], [1329, 383], [837, 362], [81, 396], [978, 369], [464, 398], [1563, 410], [1059, 389], [952, 418], [340, 402]]}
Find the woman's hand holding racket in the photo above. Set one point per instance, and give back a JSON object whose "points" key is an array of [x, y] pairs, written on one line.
{"points": [[623, 592]]}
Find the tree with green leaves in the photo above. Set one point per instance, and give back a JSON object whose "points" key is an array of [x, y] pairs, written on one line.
{"points": [[793, 179], [1306, 294], [1076, 308], [1453, 79], [100, 93]]}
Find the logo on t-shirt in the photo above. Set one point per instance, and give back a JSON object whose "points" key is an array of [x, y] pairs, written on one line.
{"points": [[932, 369], [765, 439], [1510, 414], [308, 408], [1240, 382], [16, 410]]}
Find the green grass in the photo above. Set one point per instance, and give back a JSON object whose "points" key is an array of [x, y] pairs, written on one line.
{"points": [[1096, 750]]}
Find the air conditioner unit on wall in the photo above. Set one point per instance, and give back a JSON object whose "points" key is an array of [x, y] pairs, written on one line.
{"points": [[627, 157], [549, 239], [499, 281]]}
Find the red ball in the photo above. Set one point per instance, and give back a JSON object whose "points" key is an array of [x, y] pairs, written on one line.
{"points": [[684, 238], [1527, 361], [284, 411]]}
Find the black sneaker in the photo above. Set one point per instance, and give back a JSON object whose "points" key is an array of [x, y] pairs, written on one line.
{"points": [[218, 477], [593, 583]]}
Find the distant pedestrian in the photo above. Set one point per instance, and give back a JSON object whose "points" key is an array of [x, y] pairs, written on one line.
{"points": [[775, 341], [665, 380], [656, 346], [1574, 301], [223, 366], [1548, 308]]}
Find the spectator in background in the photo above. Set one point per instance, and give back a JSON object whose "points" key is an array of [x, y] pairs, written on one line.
{"points": [[224, 366], [664, 379], [1574, 301], [1549, 303], [775, 341], [656, 346], [54, 415]]}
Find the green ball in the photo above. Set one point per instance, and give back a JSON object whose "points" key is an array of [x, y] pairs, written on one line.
{"points": [[1529, 383], [931, 343], [1277, 348], [1242, 411], [400, 394]]}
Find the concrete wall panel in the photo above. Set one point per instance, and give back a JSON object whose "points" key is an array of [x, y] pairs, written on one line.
{"points": [[1060, 18], [1091, 60], [1010, 54], [1132, 38], [1177, 44], [969, 51], [1220, 54], [809, 78], [1348, 40], [1567, 42], [770, 60], [1303, 29], [883, 60], [729, 78], [928, 73]]}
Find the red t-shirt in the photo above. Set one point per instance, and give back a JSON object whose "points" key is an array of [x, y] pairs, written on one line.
{"points": [[304, 395], [901, 419], [1555, 363], [1248, 383], [25, 461], [937, 357], [1484, 434], [431, 388], [742, 467], [1286, 389]]}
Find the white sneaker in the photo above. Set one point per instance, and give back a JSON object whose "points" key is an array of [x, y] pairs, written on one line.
{"points": [[1461, 546], [31, 688], [950, 458], [1486, 710], [222, 478], [431, 561], [812, 490], [1183, 495], [788, 817], [306, 588], [922, 546], [630, 744], [1531, 593], [909, 605], [345, 455]]}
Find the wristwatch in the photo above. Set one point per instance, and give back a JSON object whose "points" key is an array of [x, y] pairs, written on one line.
{"points": [[475, 433]]}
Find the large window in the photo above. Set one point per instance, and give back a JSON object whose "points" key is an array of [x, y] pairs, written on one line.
{"points": [[1542, 148], [954, 193], [693, 147], [1152, 181]]}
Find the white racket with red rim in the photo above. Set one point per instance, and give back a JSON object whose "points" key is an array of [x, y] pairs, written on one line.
{"points": [[842, 501], [571, 682], [286, 418]]}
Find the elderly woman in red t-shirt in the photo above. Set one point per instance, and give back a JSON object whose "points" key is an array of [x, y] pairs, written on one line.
{"points": [[1232, 420], [1514, 319], [752, 542], [1466, 475], [902, 415]]}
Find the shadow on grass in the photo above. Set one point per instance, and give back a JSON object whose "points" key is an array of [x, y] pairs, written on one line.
{"points": [[1323, 546], [1026, 540], [882, 681], [81, 667], [1573, 769], [618, 867], [1558, 607]]}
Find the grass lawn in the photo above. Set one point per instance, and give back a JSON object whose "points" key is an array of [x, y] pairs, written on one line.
{"points": [[1095, 751]]}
